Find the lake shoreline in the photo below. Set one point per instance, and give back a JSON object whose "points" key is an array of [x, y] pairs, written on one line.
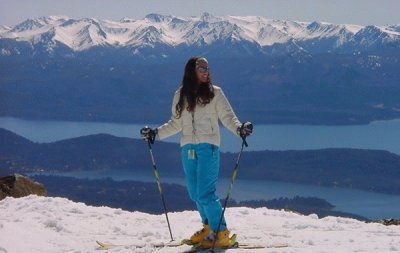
{"points": [[348, 122], [378, 135], [366, 204]]}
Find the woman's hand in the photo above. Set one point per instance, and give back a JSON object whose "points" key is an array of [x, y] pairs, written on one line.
{"points": [[245, 130], [148, 134]]}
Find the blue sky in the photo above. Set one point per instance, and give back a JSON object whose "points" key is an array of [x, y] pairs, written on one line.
{"points": [[363, 12]]}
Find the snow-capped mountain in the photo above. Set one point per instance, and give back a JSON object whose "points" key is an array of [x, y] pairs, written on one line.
{"points": [[251, 34], [295, 65], [43, 224], [4, 28]]}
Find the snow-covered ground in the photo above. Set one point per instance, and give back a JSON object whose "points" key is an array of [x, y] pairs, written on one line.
{"points": [[42, 224]]}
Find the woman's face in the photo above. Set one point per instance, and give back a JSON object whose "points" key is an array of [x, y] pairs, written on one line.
{"points": [[202, 71]]}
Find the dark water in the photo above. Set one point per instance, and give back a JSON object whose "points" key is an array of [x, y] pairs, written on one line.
{"points": [[367, 204], [383, 135]]}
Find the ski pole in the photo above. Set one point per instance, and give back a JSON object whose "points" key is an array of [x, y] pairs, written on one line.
{"points": [[228, 195], [159, 187]]}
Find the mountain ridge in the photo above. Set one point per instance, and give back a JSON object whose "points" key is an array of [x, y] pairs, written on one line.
{"points": [[156, 30], [58, 68], [370, 170]]}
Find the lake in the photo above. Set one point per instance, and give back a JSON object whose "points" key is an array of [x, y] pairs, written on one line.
{"points": [[384, 135], [367, 204]]}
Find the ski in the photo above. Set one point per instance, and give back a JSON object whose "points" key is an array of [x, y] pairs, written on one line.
{"points": [[250, 246], [199, 249], [233, 244], [187, 242], [105, 245]]}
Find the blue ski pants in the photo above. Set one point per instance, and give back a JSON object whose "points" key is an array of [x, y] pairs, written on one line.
{"points": [[201, 166]]}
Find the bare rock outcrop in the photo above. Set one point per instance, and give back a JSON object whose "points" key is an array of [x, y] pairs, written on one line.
{"points": [[19, 186]]}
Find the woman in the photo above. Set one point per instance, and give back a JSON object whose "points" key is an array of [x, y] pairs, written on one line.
{"points": [[196, 108]]}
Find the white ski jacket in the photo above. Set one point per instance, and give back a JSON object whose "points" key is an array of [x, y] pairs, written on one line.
{"points": [[201, 126]]}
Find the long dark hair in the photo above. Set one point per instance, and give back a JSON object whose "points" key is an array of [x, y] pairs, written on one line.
{"points": [[192, 91]]}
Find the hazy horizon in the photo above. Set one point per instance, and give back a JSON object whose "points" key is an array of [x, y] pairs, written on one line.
{"points": [[361, 12]]}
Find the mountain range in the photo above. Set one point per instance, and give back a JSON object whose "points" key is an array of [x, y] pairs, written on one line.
{"points": [[250, 35], [369, 170], [272, 71]]}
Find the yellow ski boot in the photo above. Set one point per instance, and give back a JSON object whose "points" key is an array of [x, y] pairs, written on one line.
{"points": [[222, 240], [200, 235]]}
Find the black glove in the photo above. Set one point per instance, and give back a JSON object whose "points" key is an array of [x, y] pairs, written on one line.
{"points": [[245, 130], [148, 134]]}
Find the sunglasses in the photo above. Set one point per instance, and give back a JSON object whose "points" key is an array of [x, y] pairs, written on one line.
{"points": [[203, 69]]}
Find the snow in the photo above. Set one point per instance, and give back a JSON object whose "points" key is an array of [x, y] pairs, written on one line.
{"points": [[5, 52], [170, 30], [43, 224], [4, 29]]}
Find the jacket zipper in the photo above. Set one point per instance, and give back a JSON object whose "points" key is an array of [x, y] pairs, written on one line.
{"points": [[194, 129]]}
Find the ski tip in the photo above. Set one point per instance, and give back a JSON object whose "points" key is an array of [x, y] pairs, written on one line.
{"points": [[103, 245], [279, 245]]}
